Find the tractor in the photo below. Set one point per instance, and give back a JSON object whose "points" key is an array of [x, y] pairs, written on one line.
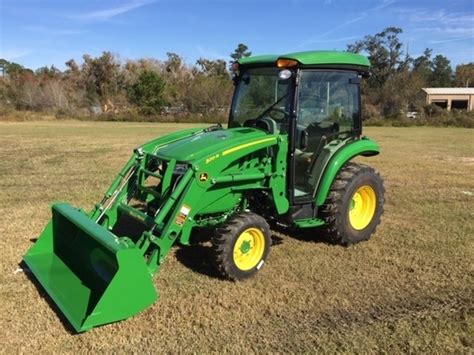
{"points": [[284, 159]]}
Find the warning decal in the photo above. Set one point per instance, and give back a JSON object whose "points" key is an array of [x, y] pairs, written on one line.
{"points": [[182, 215]]}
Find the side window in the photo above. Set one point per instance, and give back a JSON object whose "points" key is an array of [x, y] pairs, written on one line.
{"points": [[328, 104], [328, 101]]}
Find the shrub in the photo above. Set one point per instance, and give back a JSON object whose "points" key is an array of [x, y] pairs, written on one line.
{"points": [[147, 92], [433, 110]]}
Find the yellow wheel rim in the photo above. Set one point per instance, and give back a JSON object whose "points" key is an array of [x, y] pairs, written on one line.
{"points": [[362, 207], [249, 248]]}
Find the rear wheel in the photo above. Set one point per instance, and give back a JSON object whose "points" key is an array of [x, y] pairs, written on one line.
{"points": [[354, 205], [241, 246]]}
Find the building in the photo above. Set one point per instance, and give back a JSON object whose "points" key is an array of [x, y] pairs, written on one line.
{"points": [[451, 98]]}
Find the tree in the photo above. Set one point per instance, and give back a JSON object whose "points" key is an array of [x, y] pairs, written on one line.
{"points": [[212, 67], [54, 95], [100, 76], [11, 68], [384, 50], [442, 75], [388, 67], [240, 52], [465, 75], [50, 72], [400, 94], [147, 92], [178, 77], [174, 63], [422, 66]]}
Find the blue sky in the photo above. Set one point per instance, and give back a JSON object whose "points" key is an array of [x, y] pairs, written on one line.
{"points": [[35, 33]]}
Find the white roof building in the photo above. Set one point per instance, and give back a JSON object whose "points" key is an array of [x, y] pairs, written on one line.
{"points": [[451, 98]]}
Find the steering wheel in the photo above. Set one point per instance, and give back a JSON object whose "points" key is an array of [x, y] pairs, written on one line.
{"points": [[275, 110]]}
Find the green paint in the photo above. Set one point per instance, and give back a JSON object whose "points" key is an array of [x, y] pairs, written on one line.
{"points": [[308, 223], [88, 272], [245, 247], [364, 146], [259, 59], [210, 144], [311, 58]]}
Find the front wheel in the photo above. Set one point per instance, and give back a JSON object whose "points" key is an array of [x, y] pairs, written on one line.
{"points": [[241, 246], [354, 205]]}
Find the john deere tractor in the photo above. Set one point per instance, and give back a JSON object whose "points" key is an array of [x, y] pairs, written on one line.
{"points": [[285, 158]]}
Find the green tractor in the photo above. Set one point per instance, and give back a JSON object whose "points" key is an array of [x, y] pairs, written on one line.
{"points": [[285, 158]]}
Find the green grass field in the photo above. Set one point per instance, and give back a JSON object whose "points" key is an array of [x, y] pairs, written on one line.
{"points": [[410, 288]]}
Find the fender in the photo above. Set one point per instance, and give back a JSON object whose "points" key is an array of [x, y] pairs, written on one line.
{"points": [[364, 146]]}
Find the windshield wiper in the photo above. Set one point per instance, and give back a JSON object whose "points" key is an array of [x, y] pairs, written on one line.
{"points": [[271, 106]]}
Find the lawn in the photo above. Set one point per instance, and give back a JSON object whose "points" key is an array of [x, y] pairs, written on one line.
{"points": [[410, 288]]}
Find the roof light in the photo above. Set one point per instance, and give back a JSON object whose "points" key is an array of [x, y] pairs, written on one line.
{"points": [[285, 63], [284, 74]]}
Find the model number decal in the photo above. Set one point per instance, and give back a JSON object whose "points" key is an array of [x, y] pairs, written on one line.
{"points": [[212, 158]]}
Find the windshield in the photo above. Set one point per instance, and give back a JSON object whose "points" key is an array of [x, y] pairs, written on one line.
{"points": [[261, 95]]}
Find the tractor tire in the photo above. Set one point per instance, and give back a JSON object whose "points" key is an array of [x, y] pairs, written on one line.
{"points": [[241, 245], [354, 206]]}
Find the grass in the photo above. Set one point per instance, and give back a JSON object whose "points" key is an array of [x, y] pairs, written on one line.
{"points": [[409, 289]]}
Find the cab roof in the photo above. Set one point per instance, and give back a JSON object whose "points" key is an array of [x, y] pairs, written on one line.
{"points": [[310, 58]]}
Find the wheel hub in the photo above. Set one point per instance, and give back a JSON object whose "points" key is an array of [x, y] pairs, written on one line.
{"points": [[249, 248], [362, 207], [245, 247]]}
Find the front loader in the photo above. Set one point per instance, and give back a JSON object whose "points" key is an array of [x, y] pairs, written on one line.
{"points": [[285, 157]]}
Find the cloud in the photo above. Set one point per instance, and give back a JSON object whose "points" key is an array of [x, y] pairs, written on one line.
{"points": [[107, 14], [441, 22], [332, 40], [441, 16], [449, 40], [447, 30], [210, 53], [381, 6], [14, 53], [322, 38], [441, 29], [344, 24]]}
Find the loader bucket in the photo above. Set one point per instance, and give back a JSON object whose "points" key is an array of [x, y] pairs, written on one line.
{"points": [[91, 275]]}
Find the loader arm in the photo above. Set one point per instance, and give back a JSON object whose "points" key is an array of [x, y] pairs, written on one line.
{"points": [[89, 266]]}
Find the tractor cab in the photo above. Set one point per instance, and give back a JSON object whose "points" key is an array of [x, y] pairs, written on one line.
{"points": [[313, 98]]}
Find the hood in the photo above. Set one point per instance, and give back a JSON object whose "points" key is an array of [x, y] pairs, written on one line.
{"points": [[205, 144]]}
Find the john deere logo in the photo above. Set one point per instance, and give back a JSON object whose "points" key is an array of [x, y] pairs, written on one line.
{"points": [[203, 177]]}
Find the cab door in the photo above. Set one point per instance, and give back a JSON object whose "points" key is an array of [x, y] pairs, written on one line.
{"points": [[328, 106]]}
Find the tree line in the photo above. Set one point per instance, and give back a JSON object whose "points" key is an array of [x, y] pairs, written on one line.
{"points": [[106, 85], [397, 78], [170, 88]]}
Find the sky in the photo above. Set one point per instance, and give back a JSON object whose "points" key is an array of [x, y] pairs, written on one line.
{"points": [[36, 33]]}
